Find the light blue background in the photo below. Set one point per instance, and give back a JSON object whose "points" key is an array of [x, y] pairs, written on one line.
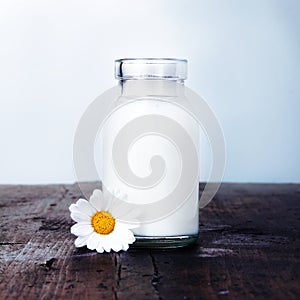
{"points": [[57, 56]]}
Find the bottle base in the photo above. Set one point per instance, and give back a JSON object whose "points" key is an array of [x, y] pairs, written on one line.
{"points": [[165, 242]]}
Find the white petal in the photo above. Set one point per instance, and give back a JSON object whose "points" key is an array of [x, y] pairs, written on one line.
{"points": [[79, 217], [82, 229], [93, 241], [128, 236], [100, 249], [73, 208], [116, 244], [111, 200], [98, 201], [124, 235], [123, 228], [129, 225], [98, 193], [81, 241], [125, 246], [106, 242], [131, 240], [85, 207]]}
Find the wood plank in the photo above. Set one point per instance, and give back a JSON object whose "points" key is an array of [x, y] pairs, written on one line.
{"points": [[248, 248]]}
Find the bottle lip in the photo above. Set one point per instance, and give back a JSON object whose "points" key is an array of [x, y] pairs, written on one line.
{"points": [[151, 68]]}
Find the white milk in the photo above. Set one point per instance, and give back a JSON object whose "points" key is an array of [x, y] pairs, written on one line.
{"points": [[184, 221]]}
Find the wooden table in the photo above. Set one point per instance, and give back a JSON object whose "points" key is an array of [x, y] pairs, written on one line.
{"points": [[248, 249]]}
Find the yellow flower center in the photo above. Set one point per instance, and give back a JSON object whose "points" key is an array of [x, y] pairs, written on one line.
{"points": [[103, 222]]}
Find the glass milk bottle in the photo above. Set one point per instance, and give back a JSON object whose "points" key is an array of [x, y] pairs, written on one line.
{"points": [[150, 147]]}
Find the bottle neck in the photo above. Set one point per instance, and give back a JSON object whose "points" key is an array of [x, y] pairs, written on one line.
{"points": [[163, 87]]}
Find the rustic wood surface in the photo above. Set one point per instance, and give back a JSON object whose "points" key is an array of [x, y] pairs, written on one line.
{"points": [[248, 249]]}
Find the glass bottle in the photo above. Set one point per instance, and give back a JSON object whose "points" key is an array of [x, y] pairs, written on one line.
{"points": [[150, 148]]}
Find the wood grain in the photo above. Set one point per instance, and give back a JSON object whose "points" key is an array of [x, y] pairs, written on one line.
{"points": [[248, 249]]}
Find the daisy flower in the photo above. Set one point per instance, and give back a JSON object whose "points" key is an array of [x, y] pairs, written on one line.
{"points": [[98, 226]]}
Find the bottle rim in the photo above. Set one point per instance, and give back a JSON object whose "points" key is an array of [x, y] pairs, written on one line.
{"points": [[151, 68]]}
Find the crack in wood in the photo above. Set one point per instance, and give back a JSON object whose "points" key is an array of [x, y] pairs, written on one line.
{"points": [[115, 294], [156, 276], [118, 266], [11, 243]]}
